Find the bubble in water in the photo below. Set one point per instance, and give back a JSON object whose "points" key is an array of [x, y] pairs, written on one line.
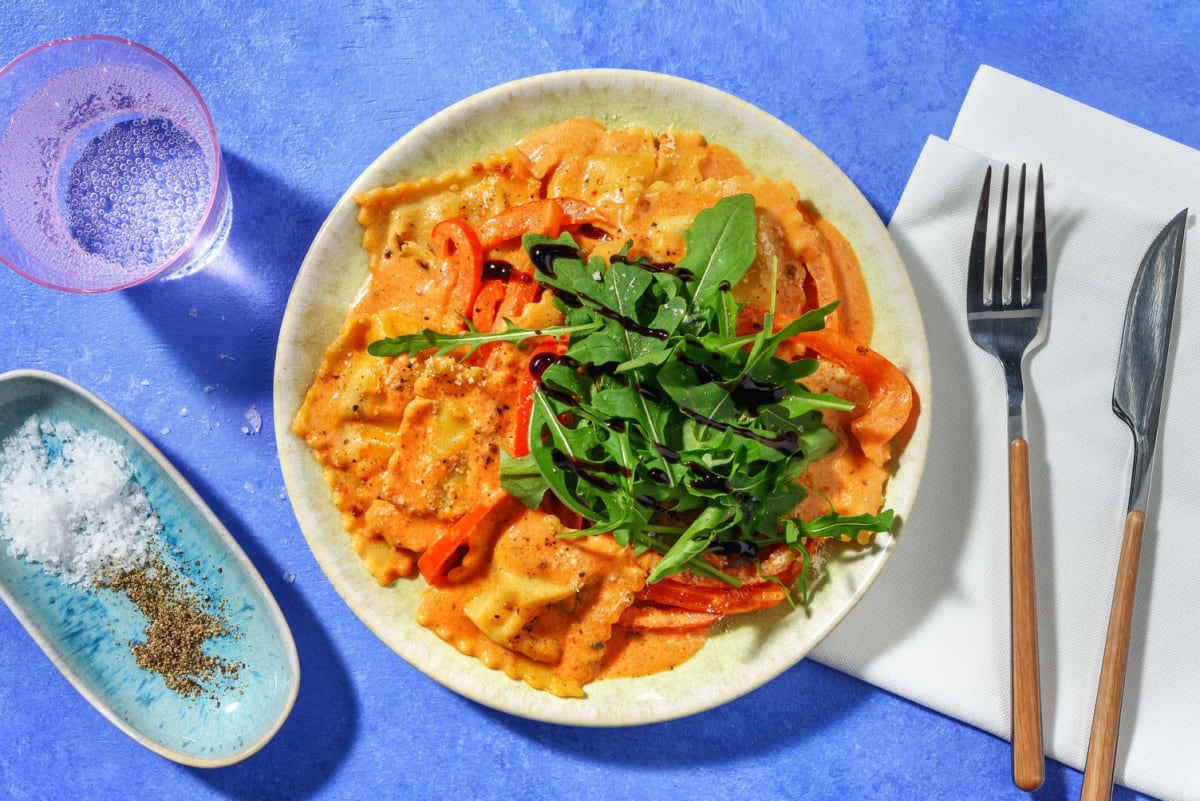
{"points": [[137, 191]]}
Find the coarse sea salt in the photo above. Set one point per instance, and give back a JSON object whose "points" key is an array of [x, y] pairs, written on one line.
{"points": [[69, 502], [254, 421]]}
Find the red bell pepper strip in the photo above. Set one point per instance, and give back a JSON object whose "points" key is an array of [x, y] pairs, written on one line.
{"points": [[529, 382], [520, 290], [448, 551], [502, 298], [487, 304], [458, 245], [721, 599], [892, 399], [548, 216], [891, 394], [763, 584]]}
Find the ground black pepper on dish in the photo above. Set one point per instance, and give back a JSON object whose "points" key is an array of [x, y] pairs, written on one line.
{"points": [[179, 621]]}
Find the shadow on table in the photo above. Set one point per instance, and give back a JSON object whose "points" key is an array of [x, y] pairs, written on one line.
{"points": [[314, 739], [767, 720], [785, 717], [238, 300]]}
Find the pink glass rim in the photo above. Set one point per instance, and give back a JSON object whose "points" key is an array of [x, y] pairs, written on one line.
{"points": [[218, 183]]}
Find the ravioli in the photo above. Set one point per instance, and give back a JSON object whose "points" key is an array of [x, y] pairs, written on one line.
{"points": [[544, 608]]}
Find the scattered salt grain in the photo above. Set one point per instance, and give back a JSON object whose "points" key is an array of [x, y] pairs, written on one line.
{"points": [[254, 420], [69, 502], [289, 578]]}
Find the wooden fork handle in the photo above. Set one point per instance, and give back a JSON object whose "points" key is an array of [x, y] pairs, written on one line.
{"points": [[1101, 755], [1029, 767]]}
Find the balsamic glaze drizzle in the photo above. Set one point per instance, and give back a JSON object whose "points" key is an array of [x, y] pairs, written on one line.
{"points": [[682, 273], [591, 472], [496, 270], [544, 255], [540, 363], [752, 395], [708, 480], [786, 444]]}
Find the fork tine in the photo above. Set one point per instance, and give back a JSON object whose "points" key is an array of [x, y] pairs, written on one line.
{"points": [[1017, 292], [975, 265], [998, 266], [1039, 267]]}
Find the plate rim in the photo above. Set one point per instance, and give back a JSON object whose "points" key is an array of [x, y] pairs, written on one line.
{"points": [[532, 704]]}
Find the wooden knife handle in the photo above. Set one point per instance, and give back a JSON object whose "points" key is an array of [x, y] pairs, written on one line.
{"points": [[1101, 755], [1029, 767]]}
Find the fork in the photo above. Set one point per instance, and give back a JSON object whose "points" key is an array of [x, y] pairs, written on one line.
{"points": [[1004, 316]]}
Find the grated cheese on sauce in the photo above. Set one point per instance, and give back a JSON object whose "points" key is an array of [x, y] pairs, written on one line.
{"points": [[69, 502]]}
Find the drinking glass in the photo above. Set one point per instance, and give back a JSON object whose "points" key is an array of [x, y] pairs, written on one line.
{"points": [[110, 169]]}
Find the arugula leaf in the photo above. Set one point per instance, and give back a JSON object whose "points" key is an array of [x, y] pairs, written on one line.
{"points": [[689, 546], [472, 339], [765, 343], [522, 478], [720, 247], [832, 525]]}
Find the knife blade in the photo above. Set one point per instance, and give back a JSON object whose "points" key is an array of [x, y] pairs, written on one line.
{"points": [[1142, 363], [1137, 399]]}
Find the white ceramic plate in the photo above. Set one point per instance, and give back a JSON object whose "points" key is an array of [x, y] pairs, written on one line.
{"points": [[738, 657]]}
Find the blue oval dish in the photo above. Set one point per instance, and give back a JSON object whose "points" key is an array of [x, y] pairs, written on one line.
{"points": [[86, 632]]}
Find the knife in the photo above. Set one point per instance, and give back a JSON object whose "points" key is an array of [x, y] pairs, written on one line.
{"points": [[1137, 399]]}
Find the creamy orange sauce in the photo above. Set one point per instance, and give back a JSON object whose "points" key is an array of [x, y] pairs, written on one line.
{"points": [[643, 653], [410, 446]]}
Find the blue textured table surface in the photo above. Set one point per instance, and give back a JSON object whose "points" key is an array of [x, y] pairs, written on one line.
{"points": [[305, 95]]}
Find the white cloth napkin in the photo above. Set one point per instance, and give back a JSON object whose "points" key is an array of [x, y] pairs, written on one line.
{"points": [[935, 628]]}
